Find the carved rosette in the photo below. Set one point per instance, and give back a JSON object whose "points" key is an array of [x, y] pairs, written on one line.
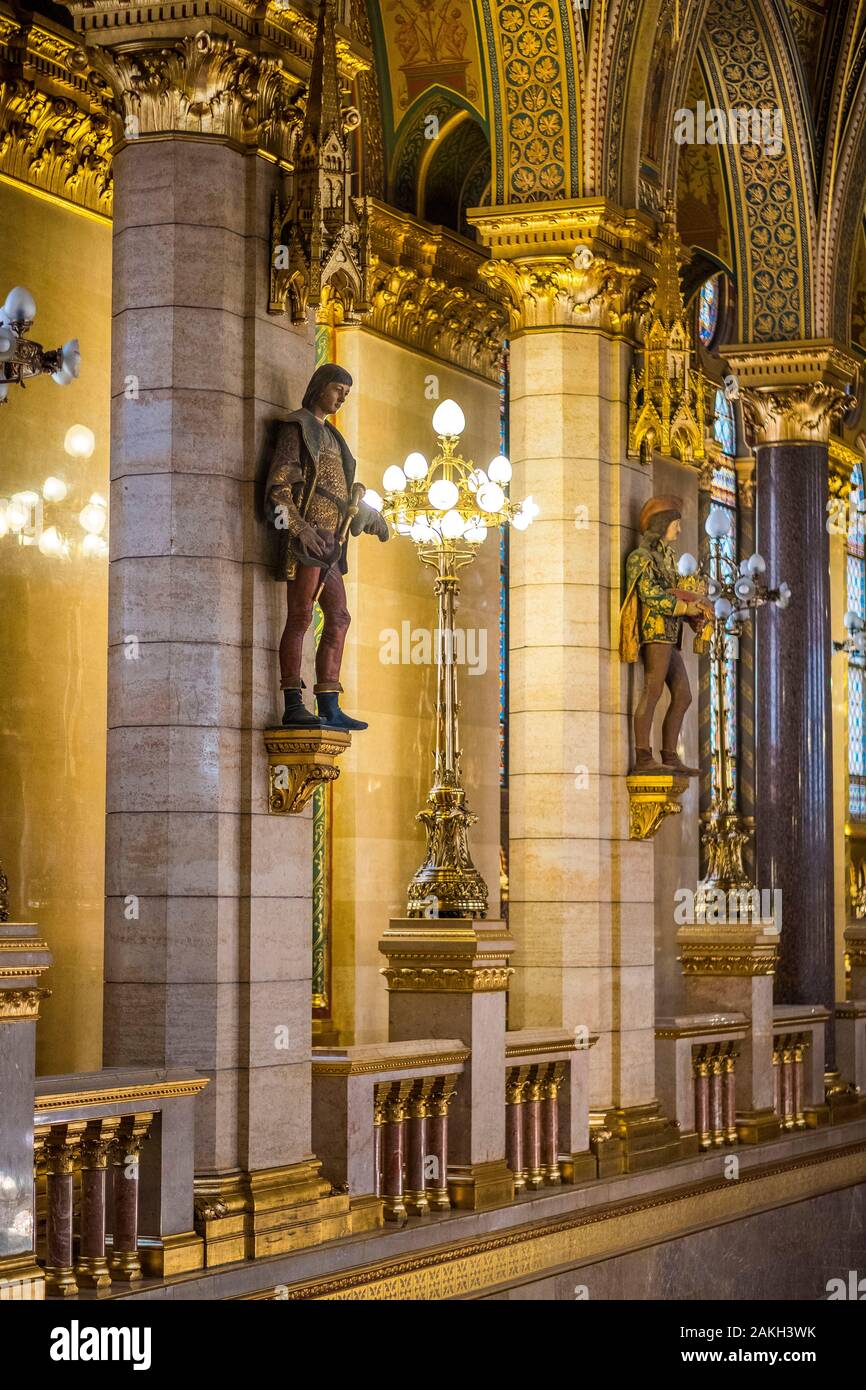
{"points": [[651, 799], [299, 761]]}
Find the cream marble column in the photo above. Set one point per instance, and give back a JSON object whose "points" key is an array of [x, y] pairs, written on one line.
{"points": [[208, 916], [581, 892]]}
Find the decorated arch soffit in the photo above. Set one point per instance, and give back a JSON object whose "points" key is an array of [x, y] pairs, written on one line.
{"points": [[746, 65]]}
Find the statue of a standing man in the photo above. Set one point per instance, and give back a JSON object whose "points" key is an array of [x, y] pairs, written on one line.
{"points": [[307, 498], [656, 603]]}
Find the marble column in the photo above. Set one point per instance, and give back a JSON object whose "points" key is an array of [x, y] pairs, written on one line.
{"points": [[581, 892], [208, 917], [791, 397]]}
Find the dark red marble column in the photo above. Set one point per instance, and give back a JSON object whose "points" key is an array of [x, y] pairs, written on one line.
{"points": [[793, 756]]}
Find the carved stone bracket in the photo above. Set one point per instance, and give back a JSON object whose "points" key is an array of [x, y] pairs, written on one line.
{"points": [[299, 761], [652, 797]]}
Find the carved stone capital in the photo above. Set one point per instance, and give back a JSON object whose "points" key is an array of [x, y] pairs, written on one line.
{"points": [[299, 761], [583, 263], [201, 84], [792, 393], [583, 290]]}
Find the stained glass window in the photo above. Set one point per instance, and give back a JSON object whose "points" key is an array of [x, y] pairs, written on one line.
{"points": [[725, 429], [708, 310], [856, 601], [724, 494]]}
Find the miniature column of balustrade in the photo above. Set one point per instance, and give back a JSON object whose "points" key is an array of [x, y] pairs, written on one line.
{"points": [[532, 1123], [714, 1072], [97, 1161], [410, 1121], [789, 1054]]}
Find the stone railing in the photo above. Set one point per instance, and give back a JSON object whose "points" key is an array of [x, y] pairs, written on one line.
{"points": [[798, 1063], [547, 1107], [696, 1061], [380, 1122], [114, 1154], [851, 1042]]}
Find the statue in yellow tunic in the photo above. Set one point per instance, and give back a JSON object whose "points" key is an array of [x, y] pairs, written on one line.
{"points": [[657, 602]]}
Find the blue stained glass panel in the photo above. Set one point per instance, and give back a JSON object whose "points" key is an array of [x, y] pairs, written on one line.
{"points": [[708, 310], [856, 601], [725, 429]]}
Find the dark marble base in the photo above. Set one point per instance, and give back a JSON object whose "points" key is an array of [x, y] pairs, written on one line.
{"points": [[789, 1253]]}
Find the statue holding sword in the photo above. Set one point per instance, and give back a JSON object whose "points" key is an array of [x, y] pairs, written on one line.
{"points": [[314, 503]]}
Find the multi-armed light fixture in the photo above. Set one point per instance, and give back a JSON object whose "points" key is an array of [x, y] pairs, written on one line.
{"points": [[736, 592], [20, 357], [447, 507]]}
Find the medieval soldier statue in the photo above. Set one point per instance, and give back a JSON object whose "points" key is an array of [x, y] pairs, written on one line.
{"points": [[656, 603], [309, 500]]}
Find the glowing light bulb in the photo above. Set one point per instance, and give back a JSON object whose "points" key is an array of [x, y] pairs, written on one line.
{"points": [[372, 498], [94, 516], [54, 489], [723, 608], [422, 531], [16, 515], [20, 306], [415, 467], [490, 497], [477, 478], [476, 531], [520, 521], [443, 494], [50, 542], [394, 479], [94, 546], [79, 442], [688, 565], [453, 525], [499, 470], [448, 419], [718, 524]]}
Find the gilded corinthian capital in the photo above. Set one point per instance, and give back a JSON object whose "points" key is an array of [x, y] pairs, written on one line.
{"points": [[793, 393], [201, 84], [581, 263]]}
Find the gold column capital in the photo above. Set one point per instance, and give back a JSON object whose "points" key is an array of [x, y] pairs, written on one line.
{"points": [[581, 262], [793, 393]]}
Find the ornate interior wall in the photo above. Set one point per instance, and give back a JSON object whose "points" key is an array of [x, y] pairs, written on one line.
{"points": [[53, 622]]}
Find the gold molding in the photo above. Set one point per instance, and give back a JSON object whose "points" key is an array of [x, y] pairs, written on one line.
{"points": [[462, 1268], [349, 1067], [652, 797], [746, 960], [703, 1031], [299, 761], [447, 979], [119, 1095], [426, 292]]}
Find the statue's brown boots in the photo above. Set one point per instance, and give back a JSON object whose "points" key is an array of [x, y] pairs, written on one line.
{"points": [[672, 763], [644, 761]]}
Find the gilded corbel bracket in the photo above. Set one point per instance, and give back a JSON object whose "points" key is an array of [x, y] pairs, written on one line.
{"points": [[299, 761], [651, 798]]}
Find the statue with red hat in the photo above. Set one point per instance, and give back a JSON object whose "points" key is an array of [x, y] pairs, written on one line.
{"points": [[657, 602]]}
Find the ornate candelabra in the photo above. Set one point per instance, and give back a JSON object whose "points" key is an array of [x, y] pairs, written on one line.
{"points": [[447, 508], [736, 591], [20, 357]]}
